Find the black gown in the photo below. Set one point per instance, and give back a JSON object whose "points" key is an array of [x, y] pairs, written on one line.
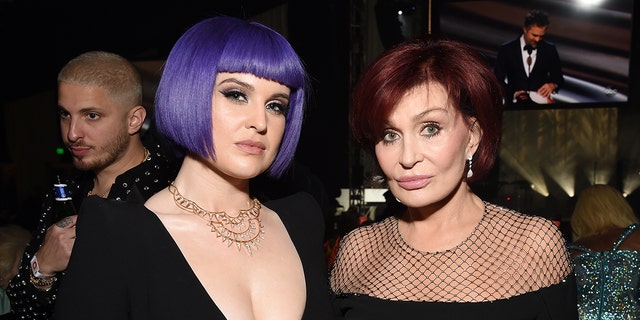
{"points": [[555, 302], [125, 264]]}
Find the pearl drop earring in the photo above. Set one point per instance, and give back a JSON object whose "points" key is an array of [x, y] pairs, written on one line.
{"points": [[470, 172]]}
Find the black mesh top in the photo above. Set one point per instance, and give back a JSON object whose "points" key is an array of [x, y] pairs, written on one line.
{"points": [[512, 266]]}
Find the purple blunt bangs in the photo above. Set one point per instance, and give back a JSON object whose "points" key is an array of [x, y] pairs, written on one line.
{"points": [[226, 44]]}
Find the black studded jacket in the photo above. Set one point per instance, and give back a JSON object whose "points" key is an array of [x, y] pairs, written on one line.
{"points": [[152, 175]]}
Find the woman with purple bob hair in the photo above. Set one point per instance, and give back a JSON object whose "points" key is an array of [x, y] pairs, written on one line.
{"points": [[232, 96], [183, 99]]}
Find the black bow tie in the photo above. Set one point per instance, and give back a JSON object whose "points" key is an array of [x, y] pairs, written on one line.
{"points": [[529, 48]]}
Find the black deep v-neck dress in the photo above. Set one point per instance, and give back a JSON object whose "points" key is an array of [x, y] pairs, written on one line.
{"points": [[125, 264]]}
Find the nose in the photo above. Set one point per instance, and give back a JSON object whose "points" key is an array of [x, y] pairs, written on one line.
{"points": [[71, 128], [257, 118], [410, 154]]}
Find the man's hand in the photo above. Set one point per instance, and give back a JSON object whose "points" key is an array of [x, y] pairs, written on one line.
{"points": [[546, 89], [521, 95], [53, 255]]}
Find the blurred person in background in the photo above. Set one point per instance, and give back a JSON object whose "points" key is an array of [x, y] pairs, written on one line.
{"points": [[529, 67], [13, 241], [606, 254]]}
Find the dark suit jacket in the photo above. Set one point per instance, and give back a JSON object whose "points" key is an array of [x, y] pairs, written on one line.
{"points": [[510, 69]]}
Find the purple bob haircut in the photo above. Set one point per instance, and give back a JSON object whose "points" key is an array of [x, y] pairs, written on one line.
{"points": [[226, 44]]}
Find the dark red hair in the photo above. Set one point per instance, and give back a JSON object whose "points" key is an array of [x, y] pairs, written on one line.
{"points": [[470, 84]]}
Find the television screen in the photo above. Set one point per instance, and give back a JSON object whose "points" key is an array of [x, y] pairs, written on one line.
{"points": [[593, 41]]}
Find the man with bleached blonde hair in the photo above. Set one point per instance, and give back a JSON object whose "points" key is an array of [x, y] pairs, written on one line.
{"points": [[101, 124]]}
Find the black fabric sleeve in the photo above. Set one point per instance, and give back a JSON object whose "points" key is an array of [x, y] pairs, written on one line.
{"points": [[93, 287]]}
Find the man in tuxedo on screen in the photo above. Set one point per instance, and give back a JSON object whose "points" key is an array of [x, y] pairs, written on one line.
{"points": [[529, 67]]}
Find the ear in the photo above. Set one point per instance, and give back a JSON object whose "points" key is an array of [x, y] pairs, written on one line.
{"points": [[136, 115], [475, 136]]}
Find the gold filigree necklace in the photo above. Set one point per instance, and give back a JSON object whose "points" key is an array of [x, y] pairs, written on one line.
{"points": [[244, 230]]}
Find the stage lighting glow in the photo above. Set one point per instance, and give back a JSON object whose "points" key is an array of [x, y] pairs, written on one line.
{"points": [[553, 148], [589, 3]]}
